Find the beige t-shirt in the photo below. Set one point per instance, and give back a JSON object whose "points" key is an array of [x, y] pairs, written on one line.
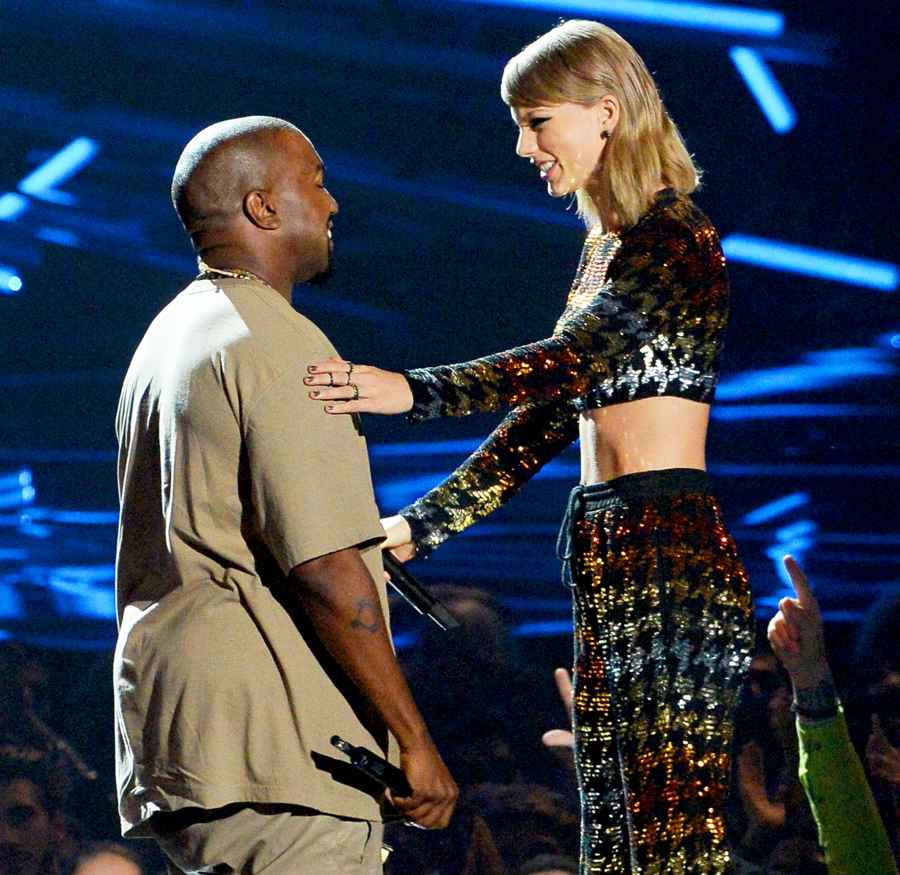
{"points": [[229, 476]]}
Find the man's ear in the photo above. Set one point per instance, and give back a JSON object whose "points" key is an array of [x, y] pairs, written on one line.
{"points": [[260, 208]]}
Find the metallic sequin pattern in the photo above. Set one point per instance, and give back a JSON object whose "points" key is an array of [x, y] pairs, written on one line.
{"points": [[645, 316], [664, 632]]}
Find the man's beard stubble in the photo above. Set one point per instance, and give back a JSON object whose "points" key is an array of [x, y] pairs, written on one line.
{"points": [[323, 276]]}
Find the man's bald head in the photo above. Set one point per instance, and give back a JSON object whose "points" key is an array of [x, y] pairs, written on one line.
{"points": [[222, 164]]}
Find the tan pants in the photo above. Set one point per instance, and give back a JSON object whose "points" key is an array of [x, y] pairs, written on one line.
{"points": [[275, 840]]}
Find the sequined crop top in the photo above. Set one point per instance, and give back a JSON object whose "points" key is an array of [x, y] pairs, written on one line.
{"points": [[645, 317]]}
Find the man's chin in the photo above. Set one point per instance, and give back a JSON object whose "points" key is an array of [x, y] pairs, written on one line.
{"points": [[322, 276]]}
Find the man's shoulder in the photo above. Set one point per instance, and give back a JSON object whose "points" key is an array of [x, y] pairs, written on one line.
{"points": [[271, 321]]}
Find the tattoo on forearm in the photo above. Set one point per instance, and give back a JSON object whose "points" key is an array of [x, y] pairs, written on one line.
{"points": [[367, 616], [821, 697]]}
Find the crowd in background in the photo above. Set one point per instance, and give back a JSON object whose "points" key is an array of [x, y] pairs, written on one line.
{"points": [[488, 706]]}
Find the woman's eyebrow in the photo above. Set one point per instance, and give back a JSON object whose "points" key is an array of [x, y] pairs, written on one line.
{"points": [[526, 120]]}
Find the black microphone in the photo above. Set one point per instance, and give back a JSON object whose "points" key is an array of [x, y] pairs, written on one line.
{"points": [[416, 594], [375, 767]]}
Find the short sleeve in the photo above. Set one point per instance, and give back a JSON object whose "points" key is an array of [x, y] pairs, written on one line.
{"points": [[310, 483]]}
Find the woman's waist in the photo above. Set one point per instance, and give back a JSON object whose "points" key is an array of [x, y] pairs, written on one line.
{"points": [[649, 435], [640, 487]]}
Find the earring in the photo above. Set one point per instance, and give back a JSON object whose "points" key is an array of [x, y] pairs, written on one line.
{"points": [[604, 135]]}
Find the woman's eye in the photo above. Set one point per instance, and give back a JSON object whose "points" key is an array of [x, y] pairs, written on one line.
{"points": [[535, 123]]}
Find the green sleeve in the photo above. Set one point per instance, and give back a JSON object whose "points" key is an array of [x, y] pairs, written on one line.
{"points": [[850, 828]]}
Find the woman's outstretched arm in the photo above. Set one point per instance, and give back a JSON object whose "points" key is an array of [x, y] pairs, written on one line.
{"points": [[513, 453], [658, 278]]}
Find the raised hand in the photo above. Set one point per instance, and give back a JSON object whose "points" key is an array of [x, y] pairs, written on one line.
{"points": [[348, 388], [795, 632], [562, 737]]}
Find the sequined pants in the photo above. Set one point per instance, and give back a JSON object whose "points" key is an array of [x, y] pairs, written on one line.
{"points": [[663, 637]]}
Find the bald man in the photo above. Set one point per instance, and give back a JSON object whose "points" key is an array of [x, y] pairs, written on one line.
{"points": [[253, 620]]}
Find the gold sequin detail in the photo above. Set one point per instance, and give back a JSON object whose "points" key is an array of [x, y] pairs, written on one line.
{"points": [[645, 316], [664, 632]]}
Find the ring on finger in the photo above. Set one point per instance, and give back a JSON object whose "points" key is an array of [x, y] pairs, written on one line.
{"points": [[355, 391], [350, 371]]}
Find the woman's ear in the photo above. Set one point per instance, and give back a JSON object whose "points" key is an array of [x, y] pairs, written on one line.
{"points": [[609, 111]]}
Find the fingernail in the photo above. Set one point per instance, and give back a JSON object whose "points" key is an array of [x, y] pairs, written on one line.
{"points": [[307, 380], [329, 407], [312, 369], [314, 394]]}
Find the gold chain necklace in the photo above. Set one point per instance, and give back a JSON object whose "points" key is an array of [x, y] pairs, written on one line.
{"points": [[207, 272]]}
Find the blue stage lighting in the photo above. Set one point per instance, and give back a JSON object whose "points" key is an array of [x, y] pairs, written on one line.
{"points": [[16, 480], [776, 508], [16, 490], [791, 540], [543, 628], [765, 88], [696, 16], [818, 370], [66, 163], [83, 590], [10, 603], [12, 206], [743, 412], [808, 261], [461, 447], [60, 236], [10, 281]]}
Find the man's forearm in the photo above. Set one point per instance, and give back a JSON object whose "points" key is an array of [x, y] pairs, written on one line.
{"points": [[338, 596]]}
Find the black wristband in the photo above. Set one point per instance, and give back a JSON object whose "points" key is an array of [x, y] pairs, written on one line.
{"points": [[816, 703], [815, 714]]}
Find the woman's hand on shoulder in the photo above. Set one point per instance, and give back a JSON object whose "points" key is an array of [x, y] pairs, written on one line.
{"points": [[349, 388]]}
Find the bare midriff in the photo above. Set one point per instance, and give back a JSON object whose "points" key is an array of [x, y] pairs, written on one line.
{"points": [[646, 435]]}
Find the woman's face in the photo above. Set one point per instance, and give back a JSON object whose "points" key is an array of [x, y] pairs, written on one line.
{"points": [[563, 141]]}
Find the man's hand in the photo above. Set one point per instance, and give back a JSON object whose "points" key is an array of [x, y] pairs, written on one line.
{"points": [[883, 758], [562, 737], [349, 388], [434, 790], [795, 632]]}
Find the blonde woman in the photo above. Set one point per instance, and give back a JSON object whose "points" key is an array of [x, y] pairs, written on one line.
{"points": [[662, 610]]}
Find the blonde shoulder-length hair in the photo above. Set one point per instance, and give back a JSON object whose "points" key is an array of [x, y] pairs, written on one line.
{"points": [[581, 62]]}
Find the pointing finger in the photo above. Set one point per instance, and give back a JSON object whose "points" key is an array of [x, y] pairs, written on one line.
{"points": [[800, 582], [558, 738], [564, 685]]}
